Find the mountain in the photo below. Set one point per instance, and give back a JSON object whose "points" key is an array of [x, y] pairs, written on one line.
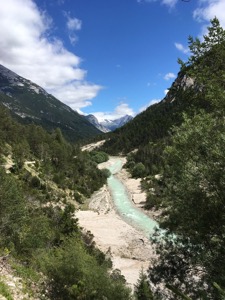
{"points": [[30, 103], [112, 125], [93, 120], [148, 133], [109, 125]]}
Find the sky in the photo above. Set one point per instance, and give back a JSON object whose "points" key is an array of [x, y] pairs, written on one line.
{"points": [[103, 57]]}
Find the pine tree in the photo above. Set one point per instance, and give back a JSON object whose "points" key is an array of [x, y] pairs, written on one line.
{"points": [[143, 289]]}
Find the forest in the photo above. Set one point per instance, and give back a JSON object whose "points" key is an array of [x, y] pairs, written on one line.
{"points": [[189, 157], [39, 235]]}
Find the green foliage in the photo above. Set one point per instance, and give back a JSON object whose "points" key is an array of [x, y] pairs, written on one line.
{"points": [[178, 293], [45, 237], [74, 274], [35, 182], [149, 132], [99, 156], [143, 289], [106, 173], [138, 170], [4, 291], [149, 126], [87, 178], [221, 291], [12, 210], [206, 65], [191, 252], [194, 183], [45, 110], [78, 197]]}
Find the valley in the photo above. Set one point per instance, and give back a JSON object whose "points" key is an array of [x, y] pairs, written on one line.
{"points": [[128, 247], [72, 198]]}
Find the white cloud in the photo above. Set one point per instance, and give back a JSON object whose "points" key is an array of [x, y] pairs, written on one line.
{"points": [[182, 48], [73, 25], [124, 109], [169, 76], [77, 95], [151, 102], [208, 9], [121, 110], [27, 48]]}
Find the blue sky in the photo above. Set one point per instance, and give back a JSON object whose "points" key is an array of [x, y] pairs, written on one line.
{"points": [[105, 57]]}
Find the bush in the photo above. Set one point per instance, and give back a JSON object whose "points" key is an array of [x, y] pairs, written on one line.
{"points": [[35, 182], [99, 156], [138, 170], [78, 197], [106, 173]]}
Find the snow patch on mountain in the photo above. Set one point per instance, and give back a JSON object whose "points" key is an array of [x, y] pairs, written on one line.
{"points": [[108, 125]]}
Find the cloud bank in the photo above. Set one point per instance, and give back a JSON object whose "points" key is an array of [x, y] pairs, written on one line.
{"points": [[27, 48], [208, 9]]}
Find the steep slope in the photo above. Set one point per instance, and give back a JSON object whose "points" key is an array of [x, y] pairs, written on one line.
{"points": [[149, 132], [43, 178], [94, 121], [32, 104], [153, 123]]}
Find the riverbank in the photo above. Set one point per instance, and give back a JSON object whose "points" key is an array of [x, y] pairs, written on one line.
{"points": [[128, 248]]}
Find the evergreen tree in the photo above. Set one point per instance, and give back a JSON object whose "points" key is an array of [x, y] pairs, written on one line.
{"points": [[142, 288], [191, 253]]}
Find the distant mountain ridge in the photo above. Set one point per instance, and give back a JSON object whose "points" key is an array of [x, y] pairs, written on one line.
{"points": [[117, 123], [93, 120], [109, 125], [30, 103]]}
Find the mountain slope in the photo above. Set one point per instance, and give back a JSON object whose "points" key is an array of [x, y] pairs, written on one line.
{"points": [[149, 132], [32, 104], [153, 123], [112, 125], [94, 121], [108, 125]]}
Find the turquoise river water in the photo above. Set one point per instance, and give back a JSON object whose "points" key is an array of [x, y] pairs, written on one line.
{"points": [[124, 205]]}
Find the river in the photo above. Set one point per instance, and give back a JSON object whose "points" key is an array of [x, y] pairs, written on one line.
{"points": [[124, 206]]}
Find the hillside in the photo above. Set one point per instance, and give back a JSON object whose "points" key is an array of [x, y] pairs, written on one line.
{"points": [[43, 251], [177, 148], [31, 104]]}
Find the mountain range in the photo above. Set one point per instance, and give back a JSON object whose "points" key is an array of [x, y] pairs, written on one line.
{"points": [[30, 103], [109, 125]]}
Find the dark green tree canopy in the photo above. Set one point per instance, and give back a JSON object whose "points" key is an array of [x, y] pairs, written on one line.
{"points": [[193, 198]]}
